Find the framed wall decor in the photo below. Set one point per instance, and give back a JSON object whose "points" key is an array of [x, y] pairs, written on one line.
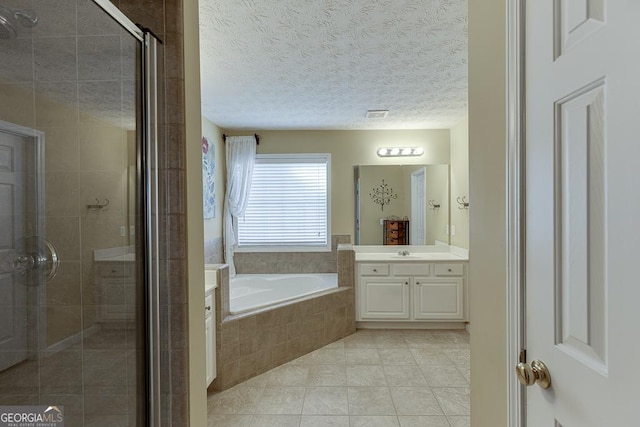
{"points": [[208, 178]]}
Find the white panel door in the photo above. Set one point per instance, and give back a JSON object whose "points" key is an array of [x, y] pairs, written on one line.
{"points": [[13, 295], [583, 210], [418, 207]]}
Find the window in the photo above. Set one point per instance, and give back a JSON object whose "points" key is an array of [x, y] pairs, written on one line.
{"points": [[289, 204]]}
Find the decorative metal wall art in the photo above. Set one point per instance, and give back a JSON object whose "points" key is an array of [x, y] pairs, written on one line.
{"points": [[462, 202], [383, 195]]}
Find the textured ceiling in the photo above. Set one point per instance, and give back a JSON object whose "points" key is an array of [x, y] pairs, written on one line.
{"points": [[321, 64]]}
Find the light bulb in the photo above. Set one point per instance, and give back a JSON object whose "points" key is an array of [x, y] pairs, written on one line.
{"points": [[395, 151], [382, 152], [406, 151], [418, 151]]}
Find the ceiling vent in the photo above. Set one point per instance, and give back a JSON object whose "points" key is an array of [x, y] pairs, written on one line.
{"points": [[377, 114]]}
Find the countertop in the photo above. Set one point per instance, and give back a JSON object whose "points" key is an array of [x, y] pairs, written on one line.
{"points": [[415, 257], [118, 254], [416, 253]]}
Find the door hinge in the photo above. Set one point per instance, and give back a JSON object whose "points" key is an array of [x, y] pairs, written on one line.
{"points": [[522, 358]]}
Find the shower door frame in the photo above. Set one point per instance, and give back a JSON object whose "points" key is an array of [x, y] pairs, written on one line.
{"points": [[147, 204]]}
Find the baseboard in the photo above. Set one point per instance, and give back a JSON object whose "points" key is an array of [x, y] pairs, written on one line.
{"points": [[72, 339], [410, 325]]}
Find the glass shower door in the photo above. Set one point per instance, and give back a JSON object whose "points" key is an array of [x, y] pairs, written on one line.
{"points": [[72, 311]]}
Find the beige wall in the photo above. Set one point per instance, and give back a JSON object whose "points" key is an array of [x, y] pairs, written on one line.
{"points": [[213, 226], [487, 237], [349, 148], [195, 222], [460, 182]]}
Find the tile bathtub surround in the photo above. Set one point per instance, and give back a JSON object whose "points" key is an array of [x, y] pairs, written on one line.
{"points": [[290, 262], [249, 345], [213, 251], [346, 267], [370, 378]]}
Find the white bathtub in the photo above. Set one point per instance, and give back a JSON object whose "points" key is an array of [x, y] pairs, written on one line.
{"points": [[252, 291]]}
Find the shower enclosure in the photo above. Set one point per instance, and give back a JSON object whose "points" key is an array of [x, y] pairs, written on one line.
{"points": [[79, 278]]}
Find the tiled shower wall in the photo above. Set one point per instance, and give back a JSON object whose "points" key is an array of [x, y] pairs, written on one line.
{"points": [[165, 19], [46, 74], [290, 262]]}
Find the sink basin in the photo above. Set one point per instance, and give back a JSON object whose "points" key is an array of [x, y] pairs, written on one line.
{"points": [[406, 256]]}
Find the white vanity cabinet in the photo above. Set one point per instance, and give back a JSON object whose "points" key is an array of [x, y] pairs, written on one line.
{"points": [[210, 334], [411, 291], [115, 292]]}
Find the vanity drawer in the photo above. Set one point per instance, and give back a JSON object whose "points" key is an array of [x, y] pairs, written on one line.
{"points": [[374, 269], [411, 269], [392, 225], [449, 269]]}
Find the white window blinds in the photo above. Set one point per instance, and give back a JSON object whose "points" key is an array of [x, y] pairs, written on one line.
{"points": [[288, 203]]}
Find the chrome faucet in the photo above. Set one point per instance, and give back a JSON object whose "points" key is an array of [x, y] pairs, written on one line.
{"points": [[404, 253]]}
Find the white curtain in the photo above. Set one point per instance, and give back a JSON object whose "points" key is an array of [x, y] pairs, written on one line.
{"points": [[241, 155]]}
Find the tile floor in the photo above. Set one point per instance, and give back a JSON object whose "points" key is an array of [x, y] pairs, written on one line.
{"points": [[373, 378], [94, 379]]}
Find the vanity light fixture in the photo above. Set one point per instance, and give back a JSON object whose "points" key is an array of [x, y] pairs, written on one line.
{"points": [[400, 152]]}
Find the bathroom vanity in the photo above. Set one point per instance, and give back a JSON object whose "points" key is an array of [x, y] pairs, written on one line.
{"points": [[115, 286], [411, 287]]}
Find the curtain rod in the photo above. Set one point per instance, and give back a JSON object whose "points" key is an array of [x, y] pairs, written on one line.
{"points": [[224, 138]]}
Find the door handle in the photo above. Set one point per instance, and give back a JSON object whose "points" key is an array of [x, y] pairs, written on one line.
{"points": [[39, 256], [536, 373]]}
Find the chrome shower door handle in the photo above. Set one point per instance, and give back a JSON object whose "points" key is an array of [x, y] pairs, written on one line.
{"points": [[40, 256]]}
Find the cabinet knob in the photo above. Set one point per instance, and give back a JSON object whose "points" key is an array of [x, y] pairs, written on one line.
{"points": [[406, 283], [450, 270], [375, 270]]}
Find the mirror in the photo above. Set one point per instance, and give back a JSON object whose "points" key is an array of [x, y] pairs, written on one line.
{"points": [[417, 193]]}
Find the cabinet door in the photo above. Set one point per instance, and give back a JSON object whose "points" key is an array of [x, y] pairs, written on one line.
{"points": [[210, 338], [384, 298], [438, 299], [115, 299]]}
